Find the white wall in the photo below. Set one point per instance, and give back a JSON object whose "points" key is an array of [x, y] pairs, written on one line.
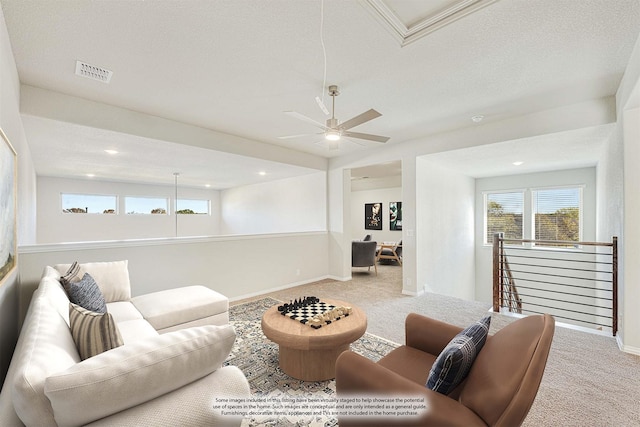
{"points": [[283, 206], [610, 203], [384, 196], [628, 103], [236, 266], [54, 226], [582, 176], [444, 230], [11, 124], [631, 239]]}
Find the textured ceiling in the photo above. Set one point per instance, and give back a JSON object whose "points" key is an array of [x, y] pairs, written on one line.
{"points": [[235, 67]]}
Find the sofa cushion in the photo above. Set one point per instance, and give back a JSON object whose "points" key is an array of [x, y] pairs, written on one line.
{"points": [[86, 294], [454, 362], [123, 311], [179, 306], [112, 278], [135, 373], [136, 330], [92, 332], [191, 405]]}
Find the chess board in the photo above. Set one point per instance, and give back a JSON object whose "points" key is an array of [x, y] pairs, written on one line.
{"points": [[303, 314]]}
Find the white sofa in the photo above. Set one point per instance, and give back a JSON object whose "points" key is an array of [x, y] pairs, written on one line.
{"points": [[168, 372]]}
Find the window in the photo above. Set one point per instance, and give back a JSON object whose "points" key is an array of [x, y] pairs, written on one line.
{"points": [[187, 206], [504, 213], [557, 214], [145, 205], [88, 203]]}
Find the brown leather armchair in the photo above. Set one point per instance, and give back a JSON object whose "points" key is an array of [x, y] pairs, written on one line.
{"points": [[499, 390]]}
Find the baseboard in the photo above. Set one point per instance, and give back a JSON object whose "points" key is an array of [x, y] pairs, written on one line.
{"points": [[339, 279], [627, 348], [280, 288], [412, 294]]}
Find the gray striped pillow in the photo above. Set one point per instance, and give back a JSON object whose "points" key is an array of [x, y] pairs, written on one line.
{"points": [[92, 332]]}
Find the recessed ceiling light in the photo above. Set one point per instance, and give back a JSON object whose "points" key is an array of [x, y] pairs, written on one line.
{"points": [[91, 175], [207, 185], [477, 119], [111, 151], [517, 163], [262, 173]]}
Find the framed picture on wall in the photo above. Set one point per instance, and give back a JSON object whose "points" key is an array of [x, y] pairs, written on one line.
{"points": [[395, 215], [8, 240], [373, 216]]}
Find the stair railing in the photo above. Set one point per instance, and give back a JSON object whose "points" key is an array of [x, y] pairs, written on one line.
{"points": [[576, 282]]}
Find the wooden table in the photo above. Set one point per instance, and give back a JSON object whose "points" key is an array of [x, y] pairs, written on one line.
{"points": [[310, 354], [392, 247]]}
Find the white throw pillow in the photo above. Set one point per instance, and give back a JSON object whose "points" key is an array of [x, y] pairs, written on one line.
{"points": [[136, 373], [112, 278]]}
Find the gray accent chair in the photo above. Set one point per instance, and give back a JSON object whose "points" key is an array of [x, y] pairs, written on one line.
{"points": [[363, 254]]}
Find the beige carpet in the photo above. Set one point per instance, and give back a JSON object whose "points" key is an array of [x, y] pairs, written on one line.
{"points": [[587, 382]]}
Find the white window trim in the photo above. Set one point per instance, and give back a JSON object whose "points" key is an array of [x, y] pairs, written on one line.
{"points": [[581, 188], [175, 207], [61, 207], [485, 224], [166, 208], [528, 205]]}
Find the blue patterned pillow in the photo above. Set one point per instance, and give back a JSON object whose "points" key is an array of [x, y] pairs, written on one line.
{"points": [[87, 294], [454, 362]]}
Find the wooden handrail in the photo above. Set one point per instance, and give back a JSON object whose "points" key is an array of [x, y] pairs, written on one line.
{"points": [[559, 242]]}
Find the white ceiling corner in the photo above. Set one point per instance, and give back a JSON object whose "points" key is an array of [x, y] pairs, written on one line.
{"points": [[408, 21]]}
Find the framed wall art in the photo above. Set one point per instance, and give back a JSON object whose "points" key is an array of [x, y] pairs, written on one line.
{"points": [[373, 216], [395, 215], [8, 197]]}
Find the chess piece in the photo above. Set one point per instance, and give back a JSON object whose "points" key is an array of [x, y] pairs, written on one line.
{"points": [[315, 322]]}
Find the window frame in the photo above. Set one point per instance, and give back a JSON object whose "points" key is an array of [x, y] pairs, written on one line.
{"points": [[114, 196], [580, 188], [166, 206], [207, 201], [485, 195], [528, 214]]}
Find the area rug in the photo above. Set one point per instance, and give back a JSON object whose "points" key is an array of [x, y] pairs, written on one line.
{"points": [[257, 357]]}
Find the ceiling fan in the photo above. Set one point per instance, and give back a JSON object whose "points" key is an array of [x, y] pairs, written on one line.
{"points": [[334, 130]]}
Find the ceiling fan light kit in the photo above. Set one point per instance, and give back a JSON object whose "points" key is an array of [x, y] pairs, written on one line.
{"points": [[332, 135], [333, 130]]}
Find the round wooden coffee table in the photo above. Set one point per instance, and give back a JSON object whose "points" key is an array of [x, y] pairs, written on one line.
{"points": [[310, 354]]}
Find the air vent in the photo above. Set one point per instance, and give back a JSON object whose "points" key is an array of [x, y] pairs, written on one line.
{"points": [[92, 72]]}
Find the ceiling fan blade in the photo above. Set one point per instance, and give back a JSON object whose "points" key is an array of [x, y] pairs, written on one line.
{"points": [[305, 119], [296, 136], [358, 120], [376, 138]]}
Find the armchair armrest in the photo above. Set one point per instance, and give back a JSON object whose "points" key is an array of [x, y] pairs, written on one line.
{"points": [[428, 335], [358, 376]]}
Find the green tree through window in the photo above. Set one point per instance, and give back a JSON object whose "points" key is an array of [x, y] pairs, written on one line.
{"points": [[504, 215], [557, 214]]}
